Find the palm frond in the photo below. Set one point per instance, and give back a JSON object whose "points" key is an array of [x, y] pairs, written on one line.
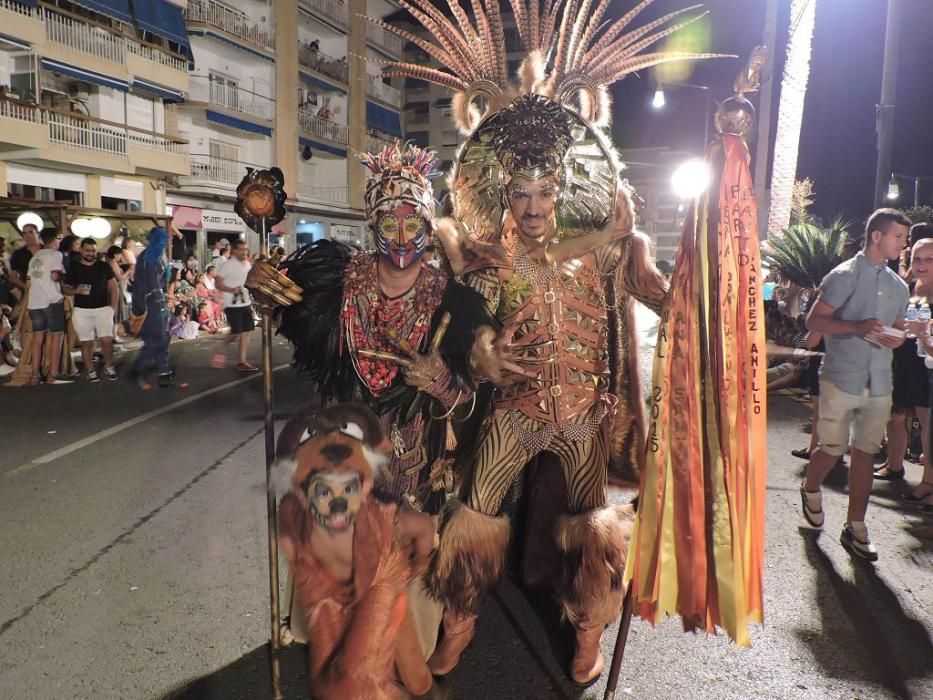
{"points": [[805, 253]]}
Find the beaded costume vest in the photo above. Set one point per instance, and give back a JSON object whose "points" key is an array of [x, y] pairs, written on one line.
{"points": [[561, 338]]}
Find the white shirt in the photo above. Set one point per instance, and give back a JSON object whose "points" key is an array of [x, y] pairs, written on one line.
{"points": [[233, 274], [43, 290]]}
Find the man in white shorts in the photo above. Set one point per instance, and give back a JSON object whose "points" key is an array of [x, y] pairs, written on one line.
{"points": [[95, 290], [860, 301]]}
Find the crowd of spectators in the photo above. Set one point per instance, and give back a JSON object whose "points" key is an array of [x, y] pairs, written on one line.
{"points": [[62, 293]]}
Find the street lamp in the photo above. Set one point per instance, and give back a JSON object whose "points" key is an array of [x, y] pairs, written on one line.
{"points": [[659, 100], [894, 190]]}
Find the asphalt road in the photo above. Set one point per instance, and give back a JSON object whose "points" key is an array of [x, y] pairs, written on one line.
{"points": [[132, 542]]}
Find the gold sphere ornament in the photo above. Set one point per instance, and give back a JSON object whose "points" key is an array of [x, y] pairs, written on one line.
{"points": [[735, 115]]}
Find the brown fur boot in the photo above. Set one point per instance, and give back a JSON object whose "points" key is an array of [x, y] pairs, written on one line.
{"points": [[587, 661], [467, 565], [594, 546], [458, 633]]}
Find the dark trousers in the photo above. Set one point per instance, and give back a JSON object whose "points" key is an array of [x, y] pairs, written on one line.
{"points": [[155, 337]]}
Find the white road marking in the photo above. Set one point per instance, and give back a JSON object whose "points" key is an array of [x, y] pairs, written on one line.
{"points": [[119, 427]]}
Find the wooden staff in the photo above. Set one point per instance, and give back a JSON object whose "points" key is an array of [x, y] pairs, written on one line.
{"points": [[616, 664], [271, 506]]}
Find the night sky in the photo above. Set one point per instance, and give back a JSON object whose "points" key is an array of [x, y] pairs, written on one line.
{"points": [[838, 144]]}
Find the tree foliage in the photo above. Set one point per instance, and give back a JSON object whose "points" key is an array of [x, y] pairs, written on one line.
{"points": [[805, 253]]}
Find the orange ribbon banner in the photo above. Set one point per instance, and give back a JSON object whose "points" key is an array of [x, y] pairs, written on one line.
{"points": [[698, 542]]}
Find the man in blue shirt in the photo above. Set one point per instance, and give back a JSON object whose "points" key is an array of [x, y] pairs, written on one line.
{"points": [[859, 302]]}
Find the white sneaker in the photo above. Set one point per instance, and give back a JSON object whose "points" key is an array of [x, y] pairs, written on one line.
{"points": [[812, 504], [855, 539]]}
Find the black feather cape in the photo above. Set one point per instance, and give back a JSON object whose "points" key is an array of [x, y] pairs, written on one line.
{"points": [[314, 328]]}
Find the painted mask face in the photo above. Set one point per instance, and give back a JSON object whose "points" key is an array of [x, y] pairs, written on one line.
{"points": [[532, 203], [335, 498], [401, 235]]}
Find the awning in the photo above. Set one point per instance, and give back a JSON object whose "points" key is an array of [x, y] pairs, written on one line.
{"points": [[85, 75], [383, 119], [326, 148], [163, 19], [118, 9], [234, 123], [167, 94], [15, 43]]}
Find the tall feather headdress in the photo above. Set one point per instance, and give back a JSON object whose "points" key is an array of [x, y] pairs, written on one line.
{"points": [[572, 56]]}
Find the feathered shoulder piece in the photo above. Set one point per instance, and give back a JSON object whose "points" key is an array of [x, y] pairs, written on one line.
{"points": [[313, 325], [572, 56]]}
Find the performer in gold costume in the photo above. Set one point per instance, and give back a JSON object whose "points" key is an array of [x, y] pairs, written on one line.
{"points": [[542, 226]]}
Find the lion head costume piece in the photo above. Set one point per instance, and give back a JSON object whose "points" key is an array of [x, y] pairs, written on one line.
{"points": [[351, 556]]}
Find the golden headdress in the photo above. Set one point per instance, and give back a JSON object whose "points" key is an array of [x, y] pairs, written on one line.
{"points": [[572, 57]]}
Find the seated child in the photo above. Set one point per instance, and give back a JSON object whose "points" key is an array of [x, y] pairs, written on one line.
{"points": [[206, 322]]}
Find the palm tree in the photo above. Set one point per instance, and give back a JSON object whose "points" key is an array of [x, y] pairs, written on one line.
{"points": [[790, 113], [805, 253]]}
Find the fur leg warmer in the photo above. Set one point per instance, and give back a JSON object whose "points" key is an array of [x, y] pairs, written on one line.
{"points": [[470, 559], [594, 546]]}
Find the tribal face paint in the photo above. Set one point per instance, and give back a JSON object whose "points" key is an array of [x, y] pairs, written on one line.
{"points": [[401, 235]]}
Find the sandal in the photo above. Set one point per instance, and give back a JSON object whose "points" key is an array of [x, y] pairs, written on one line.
{"points": [[35, 380], [884, 473]]}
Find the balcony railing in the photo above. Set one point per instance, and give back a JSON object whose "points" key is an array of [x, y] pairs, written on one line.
{"points": [[233, 22], [84, 38], [160, 57], [22, 111], [322, 63], [376, 143], [88, 136], [19, 9], [318, 126], [388, 94], [331, 9], [205, 89], [98, 42], [89, 133], [325, 195], [216, 169], [384, 39]]}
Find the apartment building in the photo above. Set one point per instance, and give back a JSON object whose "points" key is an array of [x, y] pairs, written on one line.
{"points": [[281, 83], [162, 107], [83, 95]]}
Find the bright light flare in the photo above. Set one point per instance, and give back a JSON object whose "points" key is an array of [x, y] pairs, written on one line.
{"points": [[29, 217], [658, 102], [691, 178]]}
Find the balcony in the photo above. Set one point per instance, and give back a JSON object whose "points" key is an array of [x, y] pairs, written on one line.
{"points": [[323, 128], [24, 23], [384, 40], [230, 21], [375, 143], [385, 93], [74, 41], [331, 196], [322, 63], [84, 38], [231, 97], [331, 10], [214, 171], [62, 136]]}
